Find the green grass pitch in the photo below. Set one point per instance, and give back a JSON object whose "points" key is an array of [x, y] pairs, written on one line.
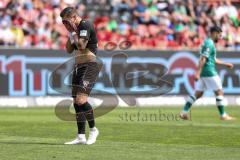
{"points": [[37, 134]]}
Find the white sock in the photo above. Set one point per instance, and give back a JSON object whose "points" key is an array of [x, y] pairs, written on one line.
{"points": [[184, 112], [224, 114], [81, 136], [93, 129]]}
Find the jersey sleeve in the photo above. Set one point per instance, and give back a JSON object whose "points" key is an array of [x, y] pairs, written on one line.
{"points": [[84, 31], [205, 49]]}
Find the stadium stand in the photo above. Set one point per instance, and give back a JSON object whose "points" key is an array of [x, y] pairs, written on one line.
{"points": [[147, 24]]}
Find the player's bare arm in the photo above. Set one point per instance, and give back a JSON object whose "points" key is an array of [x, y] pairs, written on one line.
{"points": [[220, 62], [201, 63]]}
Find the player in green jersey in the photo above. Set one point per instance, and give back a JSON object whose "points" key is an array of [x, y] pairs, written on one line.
{"points": [[206, 76]]}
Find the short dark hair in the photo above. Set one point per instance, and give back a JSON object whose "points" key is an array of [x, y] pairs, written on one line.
{"points": [[215, 29], [68, 11]]}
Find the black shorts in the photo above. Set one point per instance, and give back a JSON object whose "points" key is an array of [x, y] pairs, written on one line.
{"points": [[84, 78]]}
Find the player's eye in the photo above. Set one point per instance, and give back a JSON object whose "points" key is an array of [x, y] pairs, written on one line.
{"points": [[65, 22]]}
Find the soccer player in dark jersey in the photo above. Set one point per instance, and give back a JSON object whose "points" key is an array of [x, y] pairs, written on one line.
{"points": [[82, 40]]}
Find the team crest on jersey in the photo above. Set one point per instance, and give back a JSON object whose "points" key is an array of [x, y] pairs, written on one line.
{"points": [[85, 84], [83, 33]]}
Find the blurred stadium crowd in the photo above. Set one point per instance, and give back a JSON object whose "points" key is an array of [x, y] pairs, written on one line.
{"points": [[147, 24]]}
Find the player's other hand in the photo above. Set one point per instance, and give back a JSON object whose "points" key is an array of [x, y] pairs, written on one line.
{"points": [[73, 37], [68, 25], [229, 65], [197, 76]]}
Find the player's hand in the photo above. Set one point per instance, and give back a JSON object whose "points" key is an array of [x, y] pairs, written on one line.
{"points": [[197, 76], [69, 46], [74, 38], [229, 65], [68, 25], [71, 39]]}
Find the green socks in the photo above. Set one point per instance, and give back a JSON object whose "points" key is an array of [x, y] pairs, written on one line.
{"points": [[190, 101], [221, 110], [220, 105], [187, 107]]}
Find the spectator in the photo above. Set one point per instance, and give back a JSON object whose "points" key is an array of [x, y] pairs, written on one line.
{"points": [[6, 36], [148, 24]]}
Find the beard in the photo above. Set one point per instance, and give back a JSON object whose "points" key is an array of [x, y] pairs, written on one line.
{"points": [[216, 40]]}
